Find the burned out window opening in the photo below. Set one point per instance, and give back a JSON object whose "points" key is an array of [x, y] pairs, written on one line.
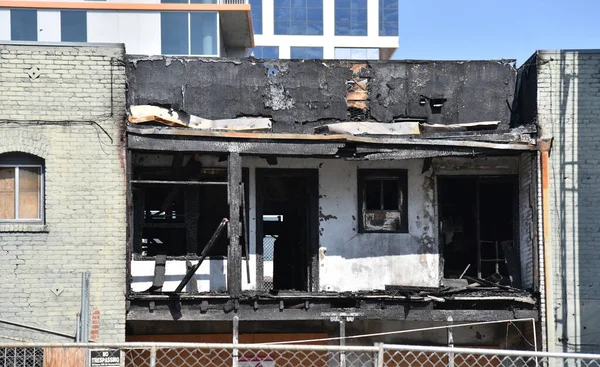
{"points": [[177, 209], [382, 198], [21, 188], [477, 228]]}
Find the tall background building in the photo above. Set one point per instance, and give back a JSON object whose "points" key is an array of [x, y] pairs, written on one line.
{"points": [[325, 29], [149, 27], [322, 29]]}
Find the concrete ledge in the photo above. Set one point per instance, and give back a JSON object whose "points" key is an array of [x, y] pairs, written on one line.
{"points": [[23, 227]]}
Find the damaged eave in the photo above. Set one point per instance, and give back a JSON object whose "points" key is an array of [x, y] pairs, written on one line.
{"points": [[185, 139]]}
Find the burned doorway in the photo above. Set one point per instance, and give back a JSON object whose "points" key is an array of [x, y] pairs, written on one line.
{"points": [[478, 228], [287, 229]]}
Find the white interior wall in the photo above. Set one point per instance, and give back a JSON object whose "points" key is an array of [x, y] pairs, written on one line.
{"points": [[349, 261]]}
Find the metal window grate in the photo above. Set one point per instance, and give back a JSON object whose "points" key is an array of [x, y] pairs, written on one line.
{"points": [[268, 255], [21, 357]]}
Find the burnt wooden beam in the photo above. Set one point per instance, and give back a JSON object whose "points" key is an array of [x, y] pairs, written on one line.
{"points": [[190, 273], [193, 282], [248, 312], [162, 182], [138, 218], [159, 273], [234, 250], [191, 214], [206, 145]]}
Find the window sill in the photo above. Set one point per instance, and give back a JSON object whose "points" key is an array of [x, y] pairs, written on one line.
{"points": [[23, 227]]}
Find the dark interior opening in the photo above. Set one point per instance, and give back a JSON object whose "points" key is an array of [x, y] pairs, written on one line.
{"points": [[286, 222], [178, 219], [477, 228]]}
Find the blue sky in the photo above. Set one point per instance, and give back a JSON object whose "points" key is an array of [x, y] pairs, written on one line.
{"points": [[495, 29]]}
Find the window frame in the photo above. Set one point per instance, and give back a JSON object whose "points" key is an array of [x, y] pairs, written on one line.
{"points": [[306, 50], [64, 25], [41, 209], [16, 11], [401, 177], [262, 49], [350, 23], [259, 11], [382, 22], [290, 19], [189, 34]]}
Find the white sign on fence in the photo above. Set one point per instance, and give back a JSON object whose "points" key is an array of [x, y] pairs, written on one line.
{"points": [[105, 358]]}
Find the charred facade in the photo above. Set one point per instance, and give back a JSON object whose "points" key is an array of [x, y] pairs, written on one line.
{"points": [[297, 193]]}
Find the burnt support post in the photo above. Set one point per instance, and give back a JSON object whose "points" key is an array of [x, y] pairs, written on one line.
{"points": [[192, 212], [138, 198], [234, 250]]}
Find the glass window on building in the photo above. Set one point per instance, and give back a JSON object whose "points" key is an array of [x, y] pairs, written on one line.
{"points": [[174, 33], [23, 25], [388, 17], [350, 17], [299, 17], [73, 26], [356, 53], [194, 33], [257, 20], [306, 52], [204, 33], [264, 52]]}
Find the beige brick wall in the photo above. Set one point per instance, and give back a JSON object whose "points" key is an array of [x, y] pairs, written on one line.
{"points": [[569, 110], [72, 115]]}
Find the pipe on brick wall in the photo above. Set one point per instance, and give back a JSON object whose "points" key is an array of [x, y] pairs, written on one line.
{"points": [[548, 272], [36, 328]]}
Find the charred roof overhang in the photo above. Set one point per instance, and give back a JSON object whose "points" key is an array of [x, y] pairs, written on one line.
{"points": [[334, 146]]}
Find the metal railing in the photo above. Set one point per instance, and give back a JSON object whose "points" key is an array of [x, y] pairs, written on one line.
{"points": [[271, 355], [234, 1]]}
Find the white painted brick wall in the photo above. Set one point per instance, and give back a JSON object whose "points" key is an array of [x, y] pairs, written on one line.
{"points": [[85, 209], [569, 110], [527, 221]]}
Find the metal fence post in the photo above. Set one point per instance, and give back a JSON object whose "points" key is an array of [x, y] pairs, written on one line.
{"points": [[380, 355], [153, 356], [450, 343], [236, 336], [342, 341]]}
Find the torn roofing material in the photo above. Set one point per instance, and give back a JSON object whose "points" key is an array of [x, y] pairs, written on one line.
{"points": [[147, 113]]}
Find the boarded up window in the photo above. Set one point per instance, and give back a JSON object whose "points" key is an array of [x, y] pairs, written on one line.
{"points": [[382, 200], [29, 192], [20, 187], [7, 193]]}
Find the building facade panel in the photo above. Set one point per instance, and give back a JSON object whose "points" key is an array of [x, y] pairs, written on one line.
{"points": [[65, 105]]}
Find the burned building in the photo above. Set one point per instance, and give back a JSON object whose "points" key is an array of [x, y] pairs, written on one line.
{"points": [[305, 195]]}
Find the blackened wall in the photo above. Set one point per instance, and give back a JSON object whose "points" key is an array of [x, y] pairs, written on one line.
{"points": [[299, 95]]}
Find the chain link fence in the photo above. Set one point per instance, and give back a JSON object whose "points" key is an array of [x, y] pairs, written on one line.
{"points": [[271, 355]]}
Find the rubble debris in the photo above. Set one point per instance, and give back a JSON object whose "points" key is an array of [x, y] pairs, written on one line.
{"points": [[147, 113], [370, 128]]}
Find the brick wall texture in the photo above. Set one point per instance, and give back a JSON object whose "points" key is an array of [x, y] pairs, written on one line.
{"points": [[527, 219], [569, 110], [67, 106]]}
